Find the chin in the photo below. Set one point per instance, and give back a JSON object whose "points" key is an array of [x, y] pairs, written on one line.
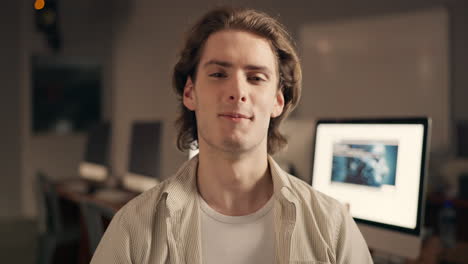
{"points": [[239, 146], [232, 144]]}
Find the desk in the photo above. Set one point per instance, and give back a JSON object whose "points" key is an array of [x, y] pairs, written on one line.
{"points": [[65, 191]]}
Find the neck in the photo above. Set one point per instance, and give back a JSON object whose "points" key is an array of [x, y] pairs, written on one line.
{"points": [[234, 186]]}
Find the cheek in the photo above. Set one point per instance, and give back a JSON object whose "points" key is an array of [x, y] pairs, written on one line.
{"points": [[266, 103], [207, 93], [206, 103]]}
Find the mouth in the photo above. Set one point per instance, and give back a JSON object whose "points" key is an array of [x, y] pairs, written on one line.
{"points": [[235, 116]]}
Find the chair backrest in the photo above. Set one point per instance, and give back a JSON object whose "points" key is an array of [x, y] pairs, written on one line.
{"points": [[50, 204], [94, 215]]}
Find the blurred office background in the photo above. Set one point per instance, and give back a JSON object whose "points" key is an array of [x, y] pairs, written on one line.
{"points": [[128, 49]]}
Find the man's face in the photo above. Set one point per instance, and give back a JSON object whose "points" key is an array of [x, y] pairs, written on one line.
{"points": [[235, 93]]}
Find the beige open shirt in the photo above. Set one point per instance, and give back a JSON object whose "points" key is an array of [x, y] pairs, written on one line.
{"points": [[162, 225]]}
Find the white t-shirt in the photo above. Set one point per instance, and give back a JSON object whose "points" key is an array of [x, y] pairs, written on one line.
{"points": [[238, 239]]}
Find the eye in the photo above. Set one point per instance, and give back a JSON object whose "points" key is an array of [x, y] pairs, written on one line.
{"points": [[257, 78], [218, 75]]}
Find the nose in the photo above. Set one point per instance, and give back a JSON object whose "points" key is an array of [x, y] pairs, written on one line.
{"points": [[237, 90], [233, 98]]}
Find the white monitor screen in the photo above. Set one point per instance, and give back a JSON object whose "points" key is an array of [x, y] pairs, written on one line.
{"points": [[376, 167]]}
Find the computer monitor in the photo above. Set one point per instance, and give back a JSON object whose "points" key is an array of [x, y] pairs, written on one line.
{"points": [[378, 167], [145, 156], [462, 139], [95, 163]]}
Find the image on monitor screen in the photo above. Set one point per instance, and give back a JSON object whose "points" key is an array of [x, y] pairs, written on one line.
{"points": [[369, 163]]}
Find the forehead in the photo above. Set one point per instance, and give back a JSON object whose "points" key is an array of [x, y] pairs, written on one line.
{"points": [[240, 48]]}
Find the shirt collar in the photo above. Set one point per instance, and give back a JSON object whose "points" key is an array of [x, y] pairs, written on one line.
{"points": [[182, 187], [281, 181]]}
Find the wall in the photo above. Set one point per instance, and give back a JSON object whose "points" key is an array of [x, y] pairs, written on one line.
{"points": [[10, 141], [361, 67], [318, 12]]}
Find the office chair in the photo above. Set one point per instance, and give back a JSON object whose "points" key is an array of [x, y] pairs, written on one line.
{"points": [[57, 232], [94, 214]]}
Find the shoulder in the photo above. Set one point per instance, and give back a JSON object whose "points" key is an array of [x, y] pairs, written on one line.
{"points": [[133, 224], [328, 214], [151, 204], [332, 221], [318, 220], [316, 201], [144, 207]]}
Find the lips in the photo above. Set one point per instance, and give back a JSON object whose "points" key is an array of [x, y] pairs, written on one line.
{"points": [[235, 115]]}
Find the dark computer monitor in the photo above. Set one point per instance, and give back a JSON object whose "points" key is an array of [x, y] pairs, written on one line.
{"points": [[462, 142], [378, 167], [95, 163], [145, 156]]}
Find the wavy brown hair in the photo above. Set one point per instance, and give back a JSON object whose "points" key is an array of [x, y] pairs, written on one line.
{"points": [[260, 24]]}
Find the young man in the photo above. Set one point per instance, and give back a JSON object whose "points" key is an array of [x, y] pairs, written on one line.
{"points": [[237, 78]]}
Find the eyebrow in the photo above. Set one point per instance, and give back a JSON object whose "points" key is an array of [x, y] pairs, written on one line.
{"points": [[230, 65], [217, 62]]}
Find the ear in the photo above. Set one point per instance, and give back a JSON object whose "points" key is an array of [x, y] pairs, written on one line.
{"points": [[189, 98], [279, 104]]}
